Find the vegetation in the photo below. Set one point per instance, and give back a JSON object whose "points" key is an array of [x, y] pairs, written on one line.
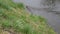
{"points": [[15, 19]]}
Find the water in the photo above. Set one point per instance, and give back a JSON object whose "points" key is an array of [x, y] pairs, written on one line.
{"points": [[52, 19], [32, 3], [35, 7]]}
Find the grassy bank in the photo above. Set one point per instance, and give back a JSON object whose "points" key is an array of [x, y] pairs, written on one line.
{"points": [[15, 19]]}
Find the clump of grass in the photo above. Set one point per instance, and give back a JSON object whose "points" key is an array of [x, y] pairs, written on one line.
{"points": [[14, 16]]}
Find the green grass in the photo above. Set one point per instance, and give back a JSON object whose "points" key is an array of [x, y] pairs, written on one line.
{"points": [[14, 16]]}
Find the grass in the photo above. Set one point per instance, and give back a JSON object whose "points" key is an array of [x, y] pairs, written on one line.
{"points": [[13, 17]]}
